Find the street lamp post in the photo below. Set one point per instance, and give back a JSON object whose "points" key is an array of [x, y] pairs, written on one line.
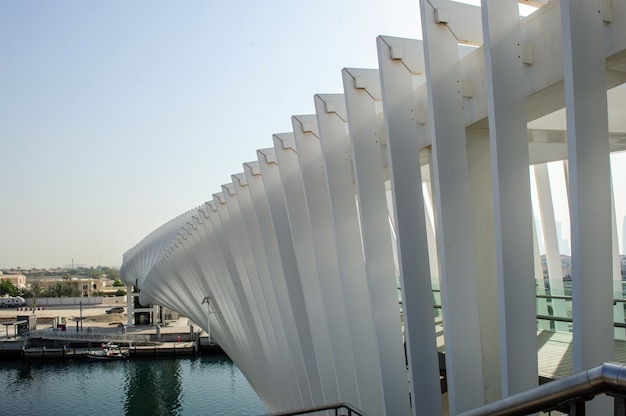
{"points": [[207, 300], [81, 313]]}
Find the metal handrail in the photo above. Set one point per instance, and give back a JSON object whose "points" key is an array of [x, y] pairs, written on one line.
{"points": [[335, 406], [89, 337], [569, 320], [574, 390], [569, 298]]}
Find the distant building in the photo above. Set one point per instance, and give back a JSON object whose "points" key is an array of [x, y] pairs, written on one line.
{"points": [[566, 266], [85, 286], [18, 280]]}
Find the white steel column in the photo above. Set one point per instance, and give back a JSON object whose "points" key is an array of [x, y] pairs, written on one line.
{"points": [[247, 332], [335, 141], [452, 206], [211, 261], [275, 194], [130, 304], [553, 257], [291, 177], [255, 333], [589, 179], [255, 299], [511, 188], [400, 60], [482, 204], [367, 135], [286, 306], [282, 355], [309, 154], [618, 308], [542, 303]]}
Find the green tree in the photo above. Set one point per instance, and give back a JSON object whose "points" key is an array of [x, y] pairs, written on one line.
{"points": [[69, 291], [56, 291], [94, 273], [120, 292], [118, 283], [35, 291], [8, 288], [112, 273]]}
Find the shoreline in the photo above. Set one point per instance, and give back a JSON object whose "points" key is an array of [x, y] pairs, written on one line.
{"points": [[176, 338]]}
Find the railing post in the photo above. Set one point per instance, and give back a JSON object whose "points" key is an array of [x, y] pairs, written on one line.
{"points": [[619, 405], [577, 407]]}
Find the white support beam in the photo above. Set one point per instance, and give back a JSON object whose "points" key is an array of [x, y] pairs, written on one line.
{"points": [[309, 155], [406, 186], [297, 213], [462, 20], [482, 208], [511, 193], [275, 195], [254, 295], [589, 185], [589, 181], [233, 295], [280, 287], [551, 244], [283, 358], [455, 239], [335, 142], [367, 136]]}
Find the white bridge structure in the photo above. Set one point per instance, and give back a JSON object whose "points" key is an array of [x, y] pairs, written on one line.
{"points": [[397, 225]]}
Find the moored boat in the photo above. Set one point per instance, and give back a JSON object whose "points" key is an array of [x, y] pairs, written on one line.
{"points": [[108, 351]]}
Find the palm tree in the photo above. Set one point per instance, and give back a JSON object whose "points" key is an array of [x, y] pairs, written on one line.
{"points": [[36, 290]]}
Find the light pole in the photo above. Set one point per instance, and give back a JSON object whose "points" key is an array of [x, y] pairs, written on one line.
{"points": [[207, 300], [81, 311]]}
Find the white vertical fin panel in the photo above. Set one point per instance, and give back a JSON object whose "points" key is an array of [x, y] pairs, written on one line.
{"points": [[282, 356], [335, 143], [254, 295], [481, 196], [209, 257], [551, 244], [618, 308], [297, 213], [589, 185], [400, 60], [452, 206], [589, 181], [275, 194], [511, 192], [233, 298], [306, 377], [364, 107], [309, 154]]}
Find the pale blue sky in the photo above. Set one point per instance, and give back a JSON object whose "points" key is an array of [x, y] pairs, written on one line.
{"points": [[117, 116]]}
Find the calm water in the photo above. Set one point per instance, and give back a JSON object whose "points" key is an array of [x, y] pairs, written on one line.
{"points": [[206, 385]]}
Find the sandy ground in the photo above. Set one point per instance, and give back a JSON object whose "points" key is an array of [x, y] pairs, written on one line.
{"points": [[92, 315]]}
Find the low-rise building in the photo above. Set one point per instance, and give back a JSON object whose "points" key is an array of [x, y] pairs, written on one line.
{"points": [[18, 280]]}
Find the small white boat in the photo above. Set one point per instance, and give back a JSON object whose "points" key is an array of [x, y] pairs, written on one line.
{"points": [[108, 351]]}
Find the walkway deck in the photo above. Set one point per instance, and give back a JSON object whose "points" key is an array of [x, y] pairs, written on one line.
{"points": [[554, 352]]}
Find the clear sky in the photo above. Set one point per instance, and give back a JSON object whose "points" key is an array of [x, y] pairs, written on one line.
{"points": [[117, 116]]}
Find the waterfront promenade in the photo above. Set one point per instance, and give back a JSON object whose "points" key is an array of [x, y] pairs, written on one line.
{"points": [[178, 337]]}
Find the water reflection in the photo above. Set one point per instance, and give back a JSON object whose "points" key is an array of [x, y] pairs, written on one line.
{"points": [[137, 387], [153, 388]]}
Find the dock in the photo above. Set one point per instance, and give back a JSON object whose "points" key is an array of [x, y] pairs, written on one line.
{"points": [[171, 349], [139, 341]]}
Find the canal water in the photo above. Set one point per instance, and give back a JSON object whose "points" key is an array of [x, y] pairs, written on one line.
{"points": [[203, 385]]}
